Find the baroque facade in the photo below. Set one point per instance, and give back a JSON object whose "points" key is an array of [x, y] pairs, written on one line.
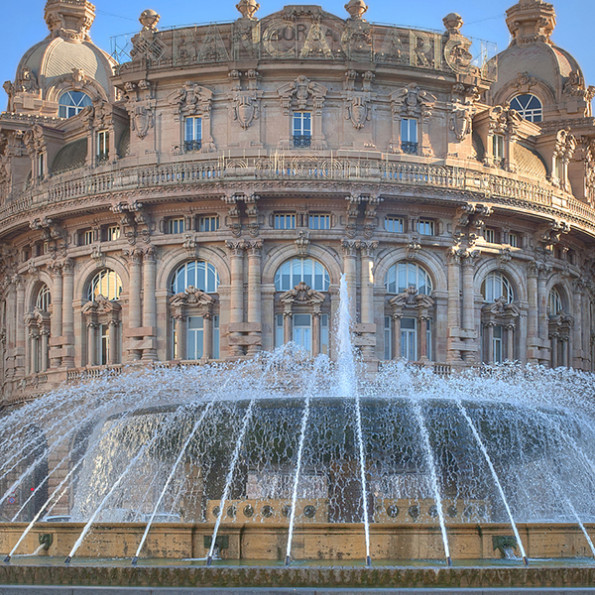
{"points": [[201, 200]]}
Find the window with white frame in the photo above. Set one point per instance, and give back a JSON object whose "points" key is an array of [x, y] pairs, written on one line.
{"points": [[388, 348], [496, 286], [298, 270], [106, 283], [102, 148], [403, 275], [319, 221], [489, 235], [72, 103], [513, 239], [192, 133], [302, 129], [284, 221], [394, 224], [176, 225], [409, 142], [196, 273], [43, 301], [86, 237], [40, 165], [208, 223], [113, 233], [425, 227], [528, 106], [555, 305], [498, 148]]}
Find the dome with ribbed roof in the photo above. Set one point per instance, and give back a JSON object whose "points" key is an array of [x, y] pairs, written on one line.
{"points": [[533, 64], [66, 60]]}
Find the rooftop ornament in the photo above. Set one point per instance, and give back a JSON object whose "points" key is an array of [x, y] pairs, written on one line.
{"points": [[248, 8], [149, 19], [453, 22], [356, 9], [531, 21]]}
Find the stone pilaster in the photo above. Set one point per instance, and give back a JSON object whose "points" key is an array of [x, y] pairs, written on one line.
{"points": [[254, 249], [236, 295], [68, 314], [350, 272], [149, 304]]}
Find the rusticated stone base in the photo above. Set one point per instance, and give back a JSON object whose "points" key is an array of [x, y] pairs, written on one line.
{"points": [[270, 577]]}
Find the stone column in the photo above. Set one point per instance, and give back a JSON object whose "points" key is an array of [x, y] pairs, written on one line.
{"points": [[490, 340], [287, 326], [316, 332], [554, 348], [236, 294], [532, 334], [469, 306], [91, 343], [453, 308], [423, 338], [254, 293], [113, 339], [68, 314], [20, 328], [510, 342], [367, 296], [134, 302], [56, 319], [180, 322], [44, 350], [207, 347], [542, 304], [577, 358], [149, 303], [396, 336], [349, 270], [32, 352]]}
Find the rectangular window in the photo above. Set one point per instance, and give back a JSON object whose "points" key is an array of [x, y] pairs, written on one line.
{"points": [[498, 147], [409, 339], [302, 129], [194, 337], [215, 337], [86, 237], [193, 134], [498, 344], [279, 331], [102, 145], [284, 221], [409, 135], [40, 165], [175, 225], [429, 339], [425, 227], [489, 235], [319, 222], [394, 224], [208, 223], [104, 344], [302, 331], [513, 240], [113, 233], [388, 338]]}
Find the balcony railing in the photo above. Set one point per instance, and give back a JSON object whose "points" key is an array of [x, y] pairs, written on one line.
{"points": [[302, 140], [409, 147], [192, 145], [489, 186]]}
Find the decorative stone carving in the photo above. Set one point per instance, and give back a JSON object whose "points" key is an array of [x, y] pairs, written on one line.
{"points": [[248, 8], [245, 105], [140, 107], [356, 39], [549, 234], [302, 294], [192, 99], [147, 45], [411, 102], [461, 121], [456, 48], [358, 104], [69, 20]]}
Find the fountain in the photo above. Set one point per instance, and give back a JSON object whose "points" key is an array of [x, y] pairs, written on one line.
{"points": [[304, 465]]}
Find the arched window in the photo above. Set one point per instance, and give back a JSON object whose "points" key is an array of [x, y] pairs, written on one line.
{"points": [[72, 102], [528, 106], [195, 311], [496, 286], [410, 313], [38, 326], [302, 270], [102, 315], [105, 283], [302, 310], [196, 273], [554, 303], [43, 301], [403, 275]]}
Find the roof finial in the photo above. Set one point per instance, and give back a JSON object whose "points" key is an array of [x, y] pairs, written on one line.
{"points": [[248, 8], [149, 19], [69, 19], [356, 8], [531, 21]]}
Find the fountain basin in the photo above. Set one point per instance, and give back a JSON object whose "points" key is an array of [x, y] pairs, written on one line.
{"points": [[327, 543]]}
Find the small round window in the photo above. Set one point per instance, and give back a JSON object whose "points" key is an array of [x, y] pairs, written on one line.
{"points": [[72, 102], [528, 106]]}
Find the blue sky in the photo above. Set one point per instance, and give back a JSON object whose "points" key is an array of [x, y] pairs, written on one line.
{"points": [[24, 25]]}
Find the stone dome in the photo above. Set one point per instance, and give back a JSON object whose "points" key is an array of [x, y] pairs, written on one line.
{"points": [[65, 60], [533, 64]]}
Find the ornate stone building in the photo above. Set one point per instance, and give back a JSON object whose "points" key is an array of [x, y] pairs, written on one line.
{"points": [[201, 200]]}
